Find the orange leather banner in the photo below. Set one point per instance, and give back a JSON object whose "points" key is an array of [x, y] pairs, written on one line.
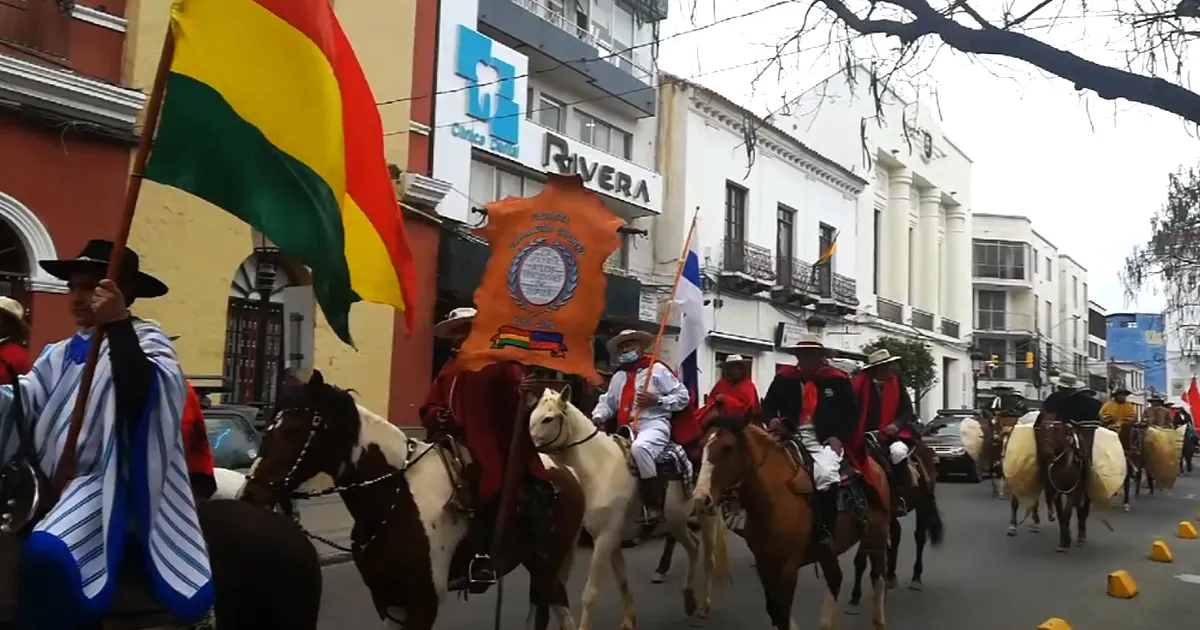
{"points": [[542, 294]]}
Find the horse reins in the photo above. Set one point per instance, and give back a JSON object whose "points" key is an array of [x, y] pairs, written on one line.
{"points": [[411, 457], [549, 447]]}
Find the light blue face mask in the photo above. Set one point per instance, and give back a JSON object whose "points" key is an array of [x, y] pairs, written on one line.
{"points": [[629, 356]]}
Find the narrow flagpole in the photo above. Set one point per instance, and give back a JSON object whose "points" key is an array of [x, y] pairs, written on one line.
{"points": [[66, 463], [666, 316]]}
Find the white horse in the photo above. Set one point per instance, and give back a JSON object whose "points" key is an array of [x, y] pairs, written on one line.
{"points": [[613, 504], [229, 483]]}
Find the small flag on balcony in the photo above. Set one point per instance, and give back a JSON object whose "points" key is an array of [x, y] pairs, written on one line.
{"points": [[825, 260]]}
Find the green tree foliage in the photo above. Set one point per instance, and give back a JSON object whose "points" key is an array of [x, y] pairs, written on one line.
{"points": [[917, 369]]}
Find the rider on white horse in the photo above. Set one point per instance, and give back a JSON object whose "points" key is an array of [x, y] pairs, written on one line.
{"points": [[658, 402]]}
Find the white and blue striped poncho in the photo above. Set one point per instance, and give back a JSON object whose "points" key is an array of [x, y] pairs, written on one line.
{"points": [[146, 492]]}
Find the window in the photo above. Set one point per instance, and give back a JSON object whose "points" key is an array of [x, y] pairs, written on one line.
{"points": [[614, 26], [1075, 291], [1049, 315], [735, 226], [875, 283], [489, 183], [1001, 260], [992, 305], [1049, 268], [604, 136], [1085, 298], [1023, 348], [582, 10], [785, 243], [1075, 334], [529, 103], [825, 239], [1094, 350], [46, 30], [1035, 262], [551, 113]]}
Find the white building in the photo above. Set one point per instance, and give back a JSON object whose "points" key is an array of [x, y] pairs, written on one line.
{"points": [[913, 222], [1031, 307], [762, 222], [526, 88], [1182, 337]]}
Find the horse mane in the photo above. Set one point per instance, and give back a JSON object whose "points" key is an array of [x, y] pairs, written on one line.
{"points": [[734, 424], [374, 429]]}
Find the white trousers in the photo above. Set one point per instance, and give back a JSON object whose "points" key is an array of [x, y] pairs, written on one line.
{"points": [[827, 464], [652, 437]]}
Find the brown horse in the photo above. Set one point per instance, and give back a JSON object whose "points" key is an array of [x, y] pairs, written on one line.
{"points": [[1133, 440], [1064, 477], [777, 494], [922, 501], [409, 499]]}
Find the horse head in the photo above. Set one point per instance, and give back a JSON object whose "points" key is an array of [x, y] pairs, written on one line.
{"points": [[1053, 436], [730, 446], [316, 430], [555, 424]]}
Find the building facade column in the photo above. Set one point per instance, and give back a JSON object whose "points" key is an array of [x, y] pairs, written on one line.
{"points": [[925, 293], [958, 262], [895, 221]]}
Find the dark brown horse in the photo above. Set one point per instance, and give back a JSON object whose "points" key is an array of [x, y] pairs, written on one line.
{"points": [[1133, 440], [777, 494], [922, 500], [266, 574], [409, 500], [1064, 478]]}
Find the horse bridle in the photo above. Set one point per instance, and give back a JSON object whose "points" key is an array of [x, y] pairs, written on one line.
{"points": [[549, 447], [411, 457]]}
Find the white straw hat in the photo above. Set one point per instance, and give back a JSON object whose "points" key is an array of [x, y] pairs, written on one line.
{"points": [[456, 319]]}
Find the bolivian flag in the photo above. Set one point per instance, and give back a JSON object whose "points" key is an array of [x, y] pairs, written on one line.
{"points": [[268, 115]]}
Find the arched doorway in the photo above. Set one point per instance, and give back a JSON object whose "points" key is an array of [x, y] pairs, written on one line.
{"points": [[268, 326]]}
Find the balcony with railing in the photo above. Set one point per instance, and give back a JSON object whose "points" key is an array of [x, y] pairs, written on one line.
{"points": [[890, 311], [747, 267], [1002, 264], [552, 33], [793, 282], [1003, 323], [922, 319]]}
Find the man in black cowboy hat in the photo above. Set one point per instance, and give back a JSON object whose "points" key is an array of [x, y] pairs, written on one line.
{"points": [[116, 517], [1076, 406], [1156, 413]]}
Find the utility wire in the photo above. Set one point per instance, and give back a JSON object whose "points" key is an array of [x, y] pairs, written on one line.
{"points": [[585, 60]]}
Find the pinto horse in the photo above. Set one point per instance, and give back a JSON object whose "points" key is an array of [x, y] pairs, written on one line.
{"points": [[777, 494], [570, 439], [408, 499]]}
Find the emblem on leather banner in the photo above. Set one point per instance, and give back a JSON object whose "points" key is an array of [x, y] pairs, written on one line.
{"points": [[543, 276]]}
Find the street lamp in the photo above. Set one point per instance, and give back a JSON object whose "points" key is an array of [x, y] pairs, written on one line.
{"points": [[977, 361]]}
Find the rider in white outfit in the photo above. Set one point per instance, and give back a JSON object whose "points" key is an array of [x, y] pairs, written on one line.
{"points": [[657, 402]]}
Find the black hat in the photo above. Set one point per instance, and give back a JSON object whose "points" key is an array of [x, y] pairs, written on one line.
{"points": [[95, 257], [1121, 391]]}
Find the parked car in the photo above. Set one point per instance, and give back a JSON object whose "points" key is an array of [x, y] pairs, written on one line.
{"points": [[943, 434], [232, 436]]}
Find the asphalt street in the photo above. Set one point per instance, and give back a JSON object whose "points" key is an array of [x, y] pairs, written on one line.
{"points": [[980, 578]]}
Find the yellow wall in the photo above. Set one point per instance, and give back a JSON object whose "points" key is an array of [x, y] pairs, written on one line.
{"points": [[196, 248]]}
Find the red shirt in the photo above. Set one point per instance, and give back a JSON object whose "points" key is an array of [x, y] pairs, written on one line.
{"points": [[15, 355], [195, 435]]}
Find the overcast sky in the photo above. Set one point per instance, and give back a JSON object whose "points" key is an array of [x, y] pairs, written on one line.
{"points": [[1090, 187]]}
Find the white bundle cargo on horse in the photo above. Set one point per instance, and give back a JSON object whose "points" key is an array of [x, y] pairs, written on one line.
{"points": [[1020, 465], [1029, 418], [1108, 467], [972, 437], [1163, 447]]}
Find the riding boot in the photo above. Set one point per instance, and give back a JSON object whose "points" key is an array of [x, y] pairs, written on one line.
{"points": [[900, 475], [653, 492], [480, 573], [826, 516]]}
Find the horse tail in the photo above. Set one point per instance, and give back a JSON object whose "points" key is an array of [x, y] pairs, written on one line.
{"points": [[937, 529]]}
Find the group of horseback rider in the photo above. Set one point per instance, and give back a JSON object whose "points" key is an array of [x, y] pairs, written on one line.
{"points": [[814, 404]]}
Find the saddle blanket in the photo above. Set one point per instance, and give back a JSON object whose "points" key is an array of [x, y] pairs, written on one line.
{"points": [[672, 460]]}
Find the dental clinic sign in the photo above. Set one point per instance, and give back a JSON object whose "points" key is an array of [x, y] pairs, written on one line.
{"points": [[498, 108], [480, 106]]}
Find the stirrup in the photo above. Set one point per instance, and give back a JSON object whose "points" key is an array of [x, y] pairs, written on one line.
{"points": [[488, 576]]}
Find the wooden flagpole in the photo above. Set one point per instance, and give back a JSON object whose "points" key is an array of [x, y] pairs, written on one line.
{"points": [[66, 463], [666, 316]]}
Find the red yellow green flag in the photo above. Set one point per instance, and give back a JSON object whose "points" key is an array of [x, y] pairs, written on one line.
{"points": [[268, 115]]}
